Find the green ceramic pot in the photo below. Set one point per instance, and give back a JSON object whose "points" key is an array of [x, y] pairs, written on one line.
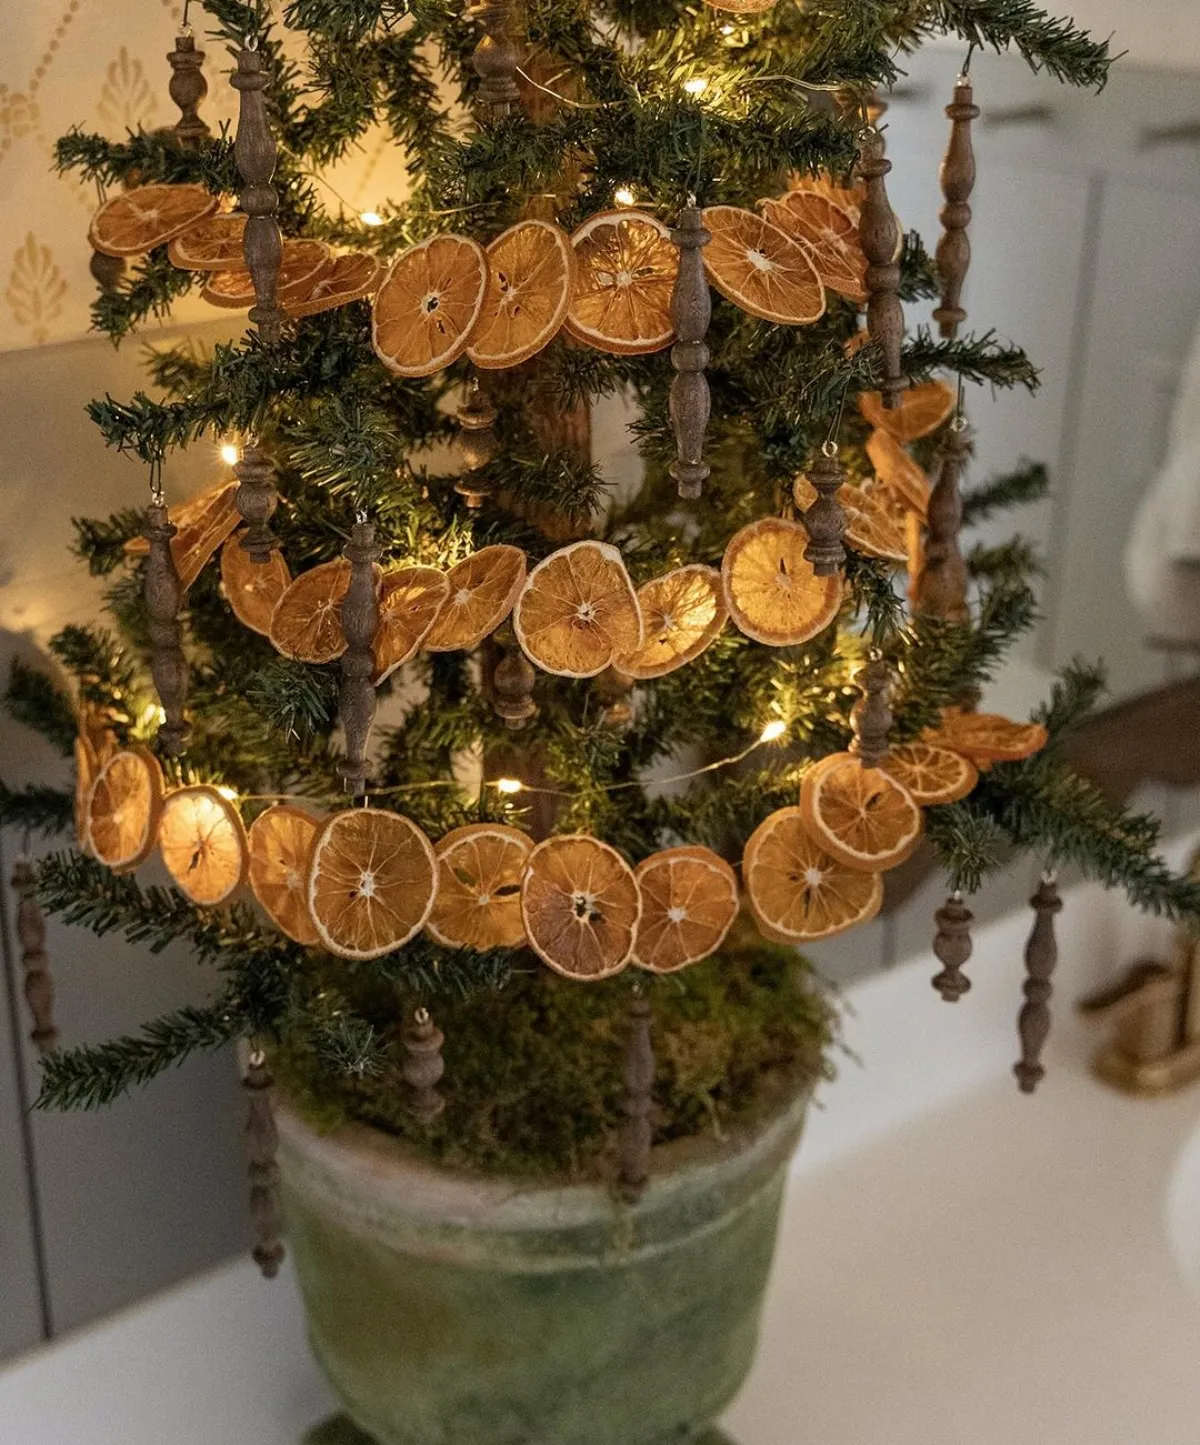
{"points": [[448, 1309]]}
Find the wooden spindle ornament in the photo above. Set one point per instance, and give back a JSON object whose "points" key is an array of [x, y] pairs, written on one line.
{"points": [[635, 1137], [825, 520], [958, 181], [512, 685], [477, 441], [872, 717], [255, 152], [256, 500], [940, 588], [691, 313], [879, 234], [952, 947], [262, 1142], [31, 935], [164, 598], [424, 1066], [360, 622], [188, 88], [1041, 957], [107, 271], [496, 58]]}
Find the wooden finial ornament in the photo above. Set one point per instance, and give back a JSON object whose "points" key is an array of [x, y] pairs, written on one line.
{"points": [[940, 587], [360, 622], [952, 947], [691, 312], [262, 1141], [256, 500], [872, 717], [496, 57], [255, 152], [879, 234], [424, 1065], [188, 88], [958, 181], [634, 1140], [31, 935], [1041, 957], [164, 598], [477, 441], [512, 685], [825, 520]]}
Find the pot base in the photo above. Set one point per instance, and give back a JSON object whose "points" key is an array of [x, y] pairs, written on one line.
{"points": [[341, 1430]]}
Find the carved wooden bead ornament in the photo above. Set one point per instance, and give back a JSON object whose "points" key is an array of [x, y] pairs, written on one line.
{"points": [[256, 500], [1041, 957], [107, 271], [360, 622], [940, 587], [424, 1066], [255, 153], [879, 235], [958, 181], [496, 57], [691, 312], [164, 597], [262, 1141], [634, 1139], [31, 935], [477, 441], [512, 685], [825, 520], [872, 718], [952, 947], [188, 88]]}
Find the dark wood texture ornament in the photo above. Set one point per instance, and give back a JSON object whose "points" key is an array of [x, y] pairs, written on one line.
{"points": [[255, 152], [107, 271], [262, 1142], [1041, 957], [164, 597], [825, 520], [424, 1066], [634, 1139], [512, 684], [879, 234], [940, 587], [31, 935], [691, 313], [952, 947], [477, 441], [188, 88], [872, 717], [496, 57], [958, 181], [360, 622], [256, 500]]}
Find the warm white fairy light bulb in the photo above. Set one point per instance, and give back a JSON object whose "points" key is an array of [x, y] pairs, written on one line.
{"points": [[229, 454], [509, 785], [228, 793], [624, 196], [696, 86], [371, 218], [773, 730]]}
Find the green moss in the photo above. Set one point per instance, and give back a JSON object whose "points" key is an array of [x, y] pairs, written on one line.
{"points": [[533, 1073]]}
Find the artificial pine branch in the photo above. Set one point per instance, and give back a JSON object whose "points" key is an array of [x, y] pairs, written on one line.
{"points": [[101, 542], [1030, 482], [36, 808], [1057, 46], [33, 698]]}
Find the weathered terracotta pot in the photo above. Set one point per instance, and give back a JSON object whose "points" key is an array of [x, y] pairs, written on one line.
{"points": [[448, 1309]]}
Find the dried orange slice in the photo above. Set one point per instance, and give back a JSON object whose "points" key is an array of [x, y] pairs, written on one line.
{"points": [[932, 775], [987, 737], [87, 765], [213, 244], [625, 274], [479, 871], [682, 612], [351, 278], [204, 522], [798, 892], [428, 305], [689, 902], [869, 526], [741, 7], [123, 809], [898, 472], [848, 198], [307, 621], [371, 882], [831, 235], [581, 905], [304, 263], [253, 588], [280, 844], [531, 272], [410, 599], [482, 590], [203, 843], [760, 268], [772, 593], [861, 816], [578, 611], [135, 221], [921, 411]]}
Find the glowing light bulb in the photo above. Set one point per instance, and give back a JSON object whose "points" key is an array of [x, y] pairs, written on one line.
{"points": [[624, 196], [228, 793], [371, 218], [696, 86], [509, 785], [773, 730], [726, 29], [229, 454]]}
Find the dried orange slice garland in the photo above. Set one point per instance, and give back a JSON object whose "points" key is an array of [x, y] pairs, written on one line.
{"points": [[578, 611], [352, 277], [531, 272], [861, 816], [922, 410], [760, 268], [87, 765], [204, 522], [482, 590], [682, 613], [203, 844], [798, 891], [307, 621], [898, 472], [625, 273], [371, 882], [869, 527], [123, 809], [136, 221], [213, 244], [280, 844], [410, 599], [931, 774], [830, 233], [581, 906], [427, 307], [986, 737], [303, 265], [479, 872], [772, 593], [689, 902], [253, 589]]}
